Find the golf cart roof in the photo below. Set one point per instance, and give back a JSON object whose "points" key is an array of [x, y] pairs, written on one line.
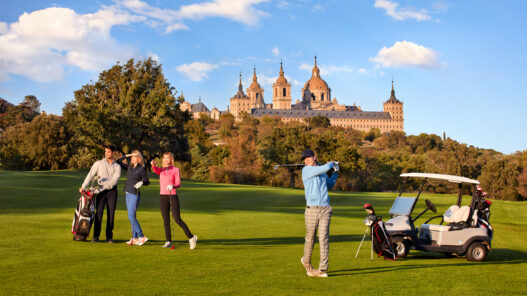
{"points": [[449, 178]]}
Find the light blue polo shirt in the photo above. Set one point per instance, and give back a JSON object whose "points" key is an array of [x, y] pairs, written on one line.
{"points": [[317, 183]]}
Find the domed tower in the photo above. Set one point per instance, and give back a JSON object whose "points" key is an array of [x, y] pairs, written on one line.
{"points": [[395, 108], [281, 92], [239, 102], [316, 91], [255, 93]]}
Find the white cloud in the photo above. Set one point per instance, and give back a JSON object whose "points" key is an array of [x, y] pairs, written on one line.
{"points": [[44, 44], [406, 54], [154, 57], [362, 71], [196, 71], [327, 70], [276, 51], [41, 44], [402, 14], [242, 11], [3, 28], [283, 4]]}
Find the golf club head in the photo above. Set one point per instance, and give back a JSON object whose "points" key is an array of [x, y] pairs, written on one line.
{"points": [[276, 167]]}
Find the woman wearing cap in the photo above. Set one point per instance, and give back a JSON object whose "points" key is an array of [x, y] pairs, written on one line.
{"points": [[136, 177], [169, 180], [318, 211]]}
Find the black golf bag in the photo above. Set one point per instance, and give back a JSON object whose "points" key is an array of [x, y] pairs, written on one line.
{"points": [[83, 218], [382, 244]]}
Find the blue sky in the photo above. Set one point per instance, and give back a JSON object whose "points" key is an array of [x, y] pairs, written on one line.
{"points": [[458, 66]]}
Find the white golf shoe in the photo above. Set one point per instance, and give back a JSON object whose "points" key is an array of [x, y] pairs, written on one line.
{"points": [[193, 241], [168, 244]]}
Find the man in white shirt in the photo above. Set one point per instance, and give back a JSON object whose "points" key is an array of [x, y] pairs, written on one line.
{"points": [[108, 171]]}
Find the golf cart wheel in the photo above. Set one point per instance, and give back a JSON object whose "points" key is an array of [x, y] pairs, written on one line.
{"points": [[476, 252], [400, 246]]}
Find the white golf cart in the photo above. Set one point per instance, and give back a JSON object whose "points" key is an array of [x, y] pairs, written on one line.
{"points": [[462, 231]]}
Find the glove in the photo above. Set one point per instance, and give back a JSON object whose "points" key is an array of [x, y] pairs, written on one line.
{"points": [[336, 168], [170, 187], [138, 184]]}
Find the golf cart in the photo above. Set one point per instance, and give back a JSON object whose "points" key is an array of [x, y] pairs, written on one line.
{"points": [[461, 231]]}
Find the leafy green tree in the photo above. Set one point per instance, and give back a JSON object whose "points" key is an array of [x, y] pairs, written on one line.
{"points": [[372, 134], [499, 178], [318, 121], [23, 112], [226, 122], [36, 145], [131, 106]]}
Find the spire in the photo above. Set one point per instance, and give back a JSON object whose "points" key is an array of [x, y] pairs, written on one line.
{"points": [[392, 98], [316, 71], [240, 88], [393, 91], [281, 69], [254, 75]]}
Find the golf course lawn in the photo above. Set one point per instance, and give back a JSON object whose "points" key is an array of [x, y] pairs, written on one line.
{"points": [[250, 243]]}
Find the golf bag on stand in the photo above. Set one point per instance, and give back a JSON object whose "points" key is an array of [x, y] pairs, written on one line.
{"points": [[83, 218], [382, 244]]}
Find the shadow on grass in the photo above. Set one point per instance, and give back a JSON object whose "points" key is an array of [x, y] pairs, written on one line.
{"points": [[496, 257], [269, 241]]}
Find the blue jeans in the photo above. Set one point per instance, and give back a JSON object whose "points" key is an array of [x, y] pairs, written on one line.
{"points": [[132, 202]]}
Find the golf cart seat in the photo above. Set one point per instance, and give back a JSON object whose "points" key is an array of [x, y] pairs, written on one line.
{"points": [[455, 214]]}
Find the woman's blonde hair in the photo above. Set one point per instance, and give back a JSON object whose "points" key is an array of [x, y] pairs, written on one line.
{"points": [[171, 158], [138, 154]]}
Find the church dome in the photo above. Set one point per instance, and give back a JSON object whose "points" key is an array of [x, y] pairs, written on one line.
{"points": [[316, 83]]}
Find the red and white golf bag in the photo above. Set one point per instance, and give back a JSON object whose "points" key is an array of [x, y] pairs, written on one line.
{"points": [[83, 218]]}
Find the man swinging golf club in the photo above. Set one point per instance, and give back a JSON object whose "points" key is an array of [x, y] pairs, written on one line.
{"points": [[318, 211]]}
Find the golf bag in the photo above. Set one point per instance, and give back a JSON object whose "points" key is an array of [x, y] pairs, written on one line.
{"points": [[382, 244], [83, 218]]}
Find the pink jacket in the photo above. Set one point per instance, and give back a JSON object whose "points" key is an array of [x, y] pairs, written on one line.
{"points": [[167, 176]]}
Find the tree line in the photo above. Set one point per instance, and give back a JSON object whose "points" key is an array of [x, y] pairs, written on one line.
{"points": [[132, 106]]}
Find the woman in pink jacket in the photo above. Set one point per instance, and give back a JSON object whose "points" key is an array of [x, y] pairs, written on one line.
{"points": [[169, 181]]}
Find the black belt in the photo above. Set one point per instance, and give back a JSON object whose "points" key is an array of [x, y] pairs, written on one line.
{"points": [[317, 207]]}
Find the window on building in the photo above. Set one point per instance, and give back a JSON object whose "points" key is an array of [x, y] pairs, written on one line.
{"points": [[284, 92]]}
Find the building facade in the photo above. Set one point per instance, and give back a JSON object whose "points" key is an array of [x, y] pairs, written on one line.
{"points": [[315, 100]]}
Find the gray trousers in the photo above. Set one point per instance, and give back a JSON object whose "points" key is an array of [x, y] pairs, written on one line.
{"points": [[317, 218]]}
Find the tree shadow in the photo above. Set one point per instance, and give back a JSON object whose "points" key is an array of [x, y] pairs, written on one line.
{"points": [[273, 241]]}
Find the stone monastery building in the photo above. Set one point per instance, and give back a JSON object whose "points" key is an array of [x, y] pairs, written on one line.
{"points": [[315, 101]]}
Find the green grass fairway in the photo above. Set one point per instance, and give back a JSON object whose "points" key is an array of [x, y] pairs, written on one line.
{"points": [[250, 243]]}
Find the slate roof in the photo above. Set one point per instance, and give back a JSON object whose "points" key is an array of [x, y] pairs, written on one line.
{"points": [[199, 107]]}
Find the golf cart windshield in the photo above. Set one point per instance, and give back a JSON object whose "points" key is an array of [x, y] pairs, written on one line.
{"points": [[403, 206]]}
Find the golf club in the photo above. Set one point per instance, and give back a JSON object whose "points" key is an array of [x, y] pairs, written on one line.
{"points": [[173, 247], [295, 165]]}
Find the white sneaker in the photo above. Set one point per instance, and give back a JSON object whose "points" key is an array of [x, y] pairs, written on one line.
{"points": [[193, 242], [141, 240], [310, 271], [321, 273], [132, 241], [168, 244]]}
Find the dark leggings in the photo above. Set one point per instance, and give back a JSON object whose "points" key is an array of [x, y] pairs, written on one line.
{"points": [[165, 201]]}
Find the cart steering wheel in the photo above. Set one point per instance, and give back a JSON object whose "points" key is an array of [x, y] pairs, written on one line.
{"points": [[430, 206]]}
